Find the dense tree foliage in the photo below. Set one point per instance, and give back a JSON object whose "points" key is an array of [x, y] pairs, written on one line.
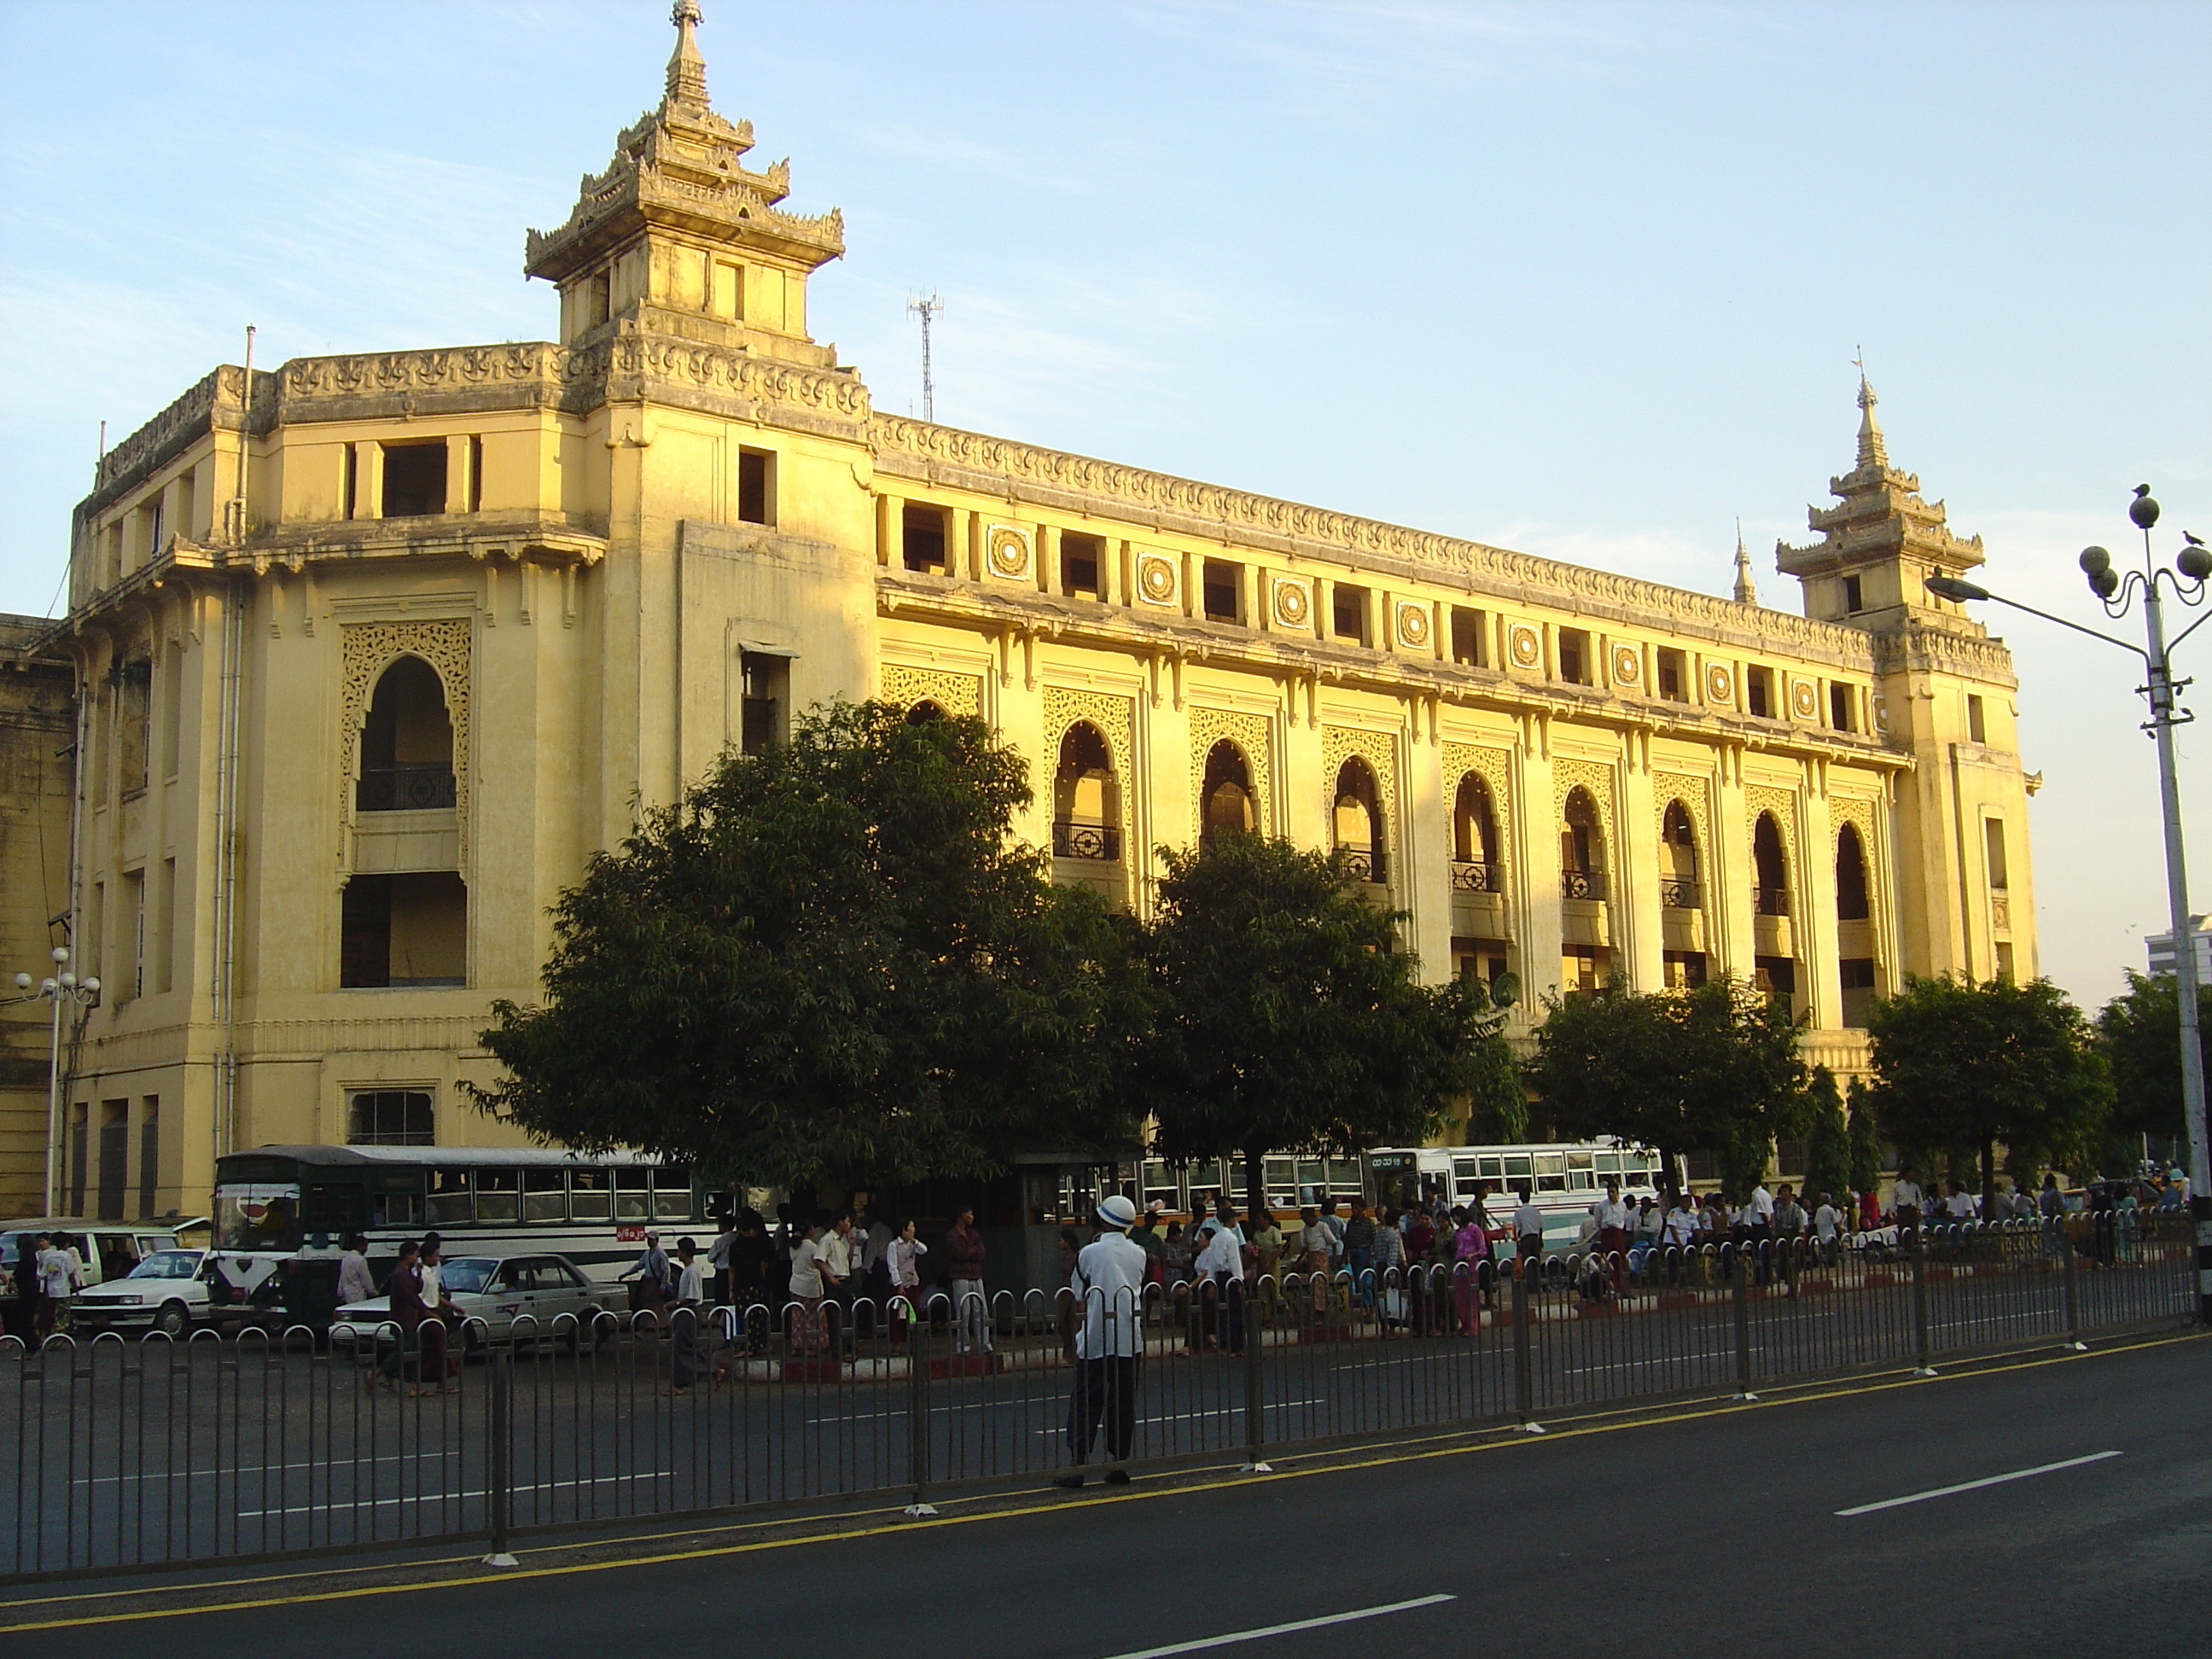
{"points": [[1865, 1139], [2140, 1030], [1960, 1067], [1497, 1100], [1828, 1144], [829, 961], [1712, 1070], [1287, 1017]]}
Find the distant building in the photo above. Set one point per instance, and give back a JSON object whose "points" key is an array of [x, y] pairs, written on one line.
{"points": [[2160, 949]]}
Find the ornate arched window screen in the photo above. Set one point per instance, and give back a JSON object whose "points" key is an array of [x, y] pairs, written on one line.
{"points": [[1770, 868], [1358, 820], [1476, 868], [1678, 860], [1851, 876], [1581, 847], [406, 741]]}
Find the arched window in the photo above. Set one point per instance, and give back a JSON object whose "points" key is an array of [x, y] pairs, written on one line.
{"points": [[1770, 867], [1226, 805], [1678, 860], [1851, 876], [406, 743], [924, 712], [1358, 820], [1582, 847], [1086, 800], [1474, 838]]}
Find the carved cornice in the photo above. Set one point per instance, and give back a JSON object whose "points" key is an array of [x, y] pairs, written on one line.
{"points": [[918, 449]]}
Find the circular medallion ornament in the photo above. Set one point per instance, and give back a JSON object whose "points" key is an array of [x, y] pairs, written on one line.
{"points": [[1293, 604], [1801, 699], [1156, 579], [1720, 684], [1526, 649], [1627, 666], [1413, 624], [1010, 551]]}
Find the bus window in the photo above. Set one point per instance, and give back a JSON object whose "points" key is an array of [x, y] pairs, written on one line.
{"points": [[499, 1194], [589, 1197], [1518, 1166], [258, 1215], [1609, 1163], [395, 1210], [1582, 1176], [449, 1197], [1160, 1184], [672, 1195], [633, 1194], [545, 1195], [333, 1207], [1280, 1179], [1491, 1166], [1551, 1172]]}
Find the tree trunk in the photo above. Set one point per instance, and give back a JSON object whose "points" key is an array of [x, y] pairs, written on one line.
{"points": [[1256, 1188], [1988, 1175], [1667, 1185]]}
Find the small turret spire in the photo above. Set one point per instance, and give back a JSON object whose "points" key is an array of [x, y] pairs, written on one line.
{"points": [[687, 69], [1873, 452], [1746, 593]]}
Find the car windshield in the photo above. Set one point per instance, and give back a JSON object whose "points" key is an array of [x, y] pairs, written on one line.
{"points": [[466, 1274], [168, 1264]]}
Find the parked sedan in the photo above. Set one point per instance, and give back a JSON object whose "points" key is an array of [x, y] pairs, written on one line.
{"points": [[166, 1293], [501, 1291]]}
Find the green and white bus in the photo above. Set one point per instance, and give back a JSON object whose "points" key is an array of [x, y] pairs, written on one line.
{"points": [[283, 1213]]}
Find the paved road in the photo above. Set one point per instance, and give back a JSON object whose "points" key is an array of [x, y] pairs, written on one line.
{"points": [[1718, 1528]]}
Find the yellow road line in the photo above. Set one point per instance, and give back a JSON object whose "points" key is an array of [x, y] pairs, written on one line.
{"points": [[1132, 1496]]}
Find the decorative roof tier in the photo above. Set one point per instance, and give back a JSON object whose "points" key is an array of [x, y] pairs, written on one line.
{"points": [[1878, 517], [678, 169]]}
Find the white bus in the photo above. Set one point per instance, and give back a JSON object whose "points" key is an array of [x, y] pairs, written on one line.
{"points": [[1564, 1178]]}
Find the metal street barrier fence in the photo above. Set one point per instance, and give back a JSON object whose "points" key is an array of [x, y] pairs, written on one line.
{"points": [[139, 1453]]}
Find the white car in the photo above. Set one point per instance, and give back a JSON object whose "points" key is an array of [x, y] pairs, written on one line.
{"points": [[166, 1293], [502, 1293]]}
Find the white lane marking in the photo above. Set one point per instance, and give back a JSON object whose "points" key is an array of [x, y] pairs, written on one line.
{"points": [[1201, 1411], [1971, 1486], [1285, 1630]]}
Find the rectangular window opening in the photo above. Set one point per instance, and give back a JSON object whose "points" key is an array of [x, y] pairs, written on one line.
{"points": [[1840, 699], [1854, 600], [1584, 968], [598, 303], [755, 487], [1758, 692], [2004, 963], [1993, 834], [1348, 616], [476, 476], [1081, 557], [404, 931], [1574, 656], [114, 1155], [1977, 729], [133, 982], [391, 1117], [415, 479], [1858, 987], [1684, 970], [924, 532], [134, 698], [1466, 637], [1674, 676], [1219, 589], [767, 701], [149, 1153]]}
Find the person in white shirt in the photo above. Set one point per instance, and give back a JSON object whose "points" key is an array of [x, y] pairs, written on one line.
{"points": [[1905, 1199], [57, 1284], [686, 1353], [355, 1282], [903, 1262], [718, 1258], [1220, 1270], [1613, 1218], [1828, 1224], [1528, 1226], [1758, 1223], [807, 1287], [1109, 1279]]}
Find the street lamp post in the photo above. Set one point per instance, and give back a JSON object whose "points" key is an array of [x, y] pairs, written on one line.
{"points": [[2116, 590], [63, 990]]}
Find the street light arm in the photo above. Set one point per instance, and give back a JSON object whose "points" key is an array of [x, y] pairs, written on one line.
{"points": [[1999, 599], [2176, 641]]}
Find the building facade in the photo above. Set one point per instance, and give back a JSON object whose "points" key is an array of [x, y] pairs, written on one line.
{"points": [[377, 650], [2163, 958]]}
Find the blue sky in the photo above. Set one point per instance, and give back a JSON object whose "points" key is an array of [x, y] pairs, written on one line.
{"points": [[1584, 280]]}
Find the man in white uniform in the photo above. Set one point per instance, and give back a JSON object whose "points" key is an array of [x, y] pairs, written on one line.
{"points": [[1109, 1280]]}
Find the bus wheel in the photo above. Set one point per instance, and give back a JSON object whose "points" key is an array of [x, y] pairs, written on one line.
{"points": [[175, 1319]]}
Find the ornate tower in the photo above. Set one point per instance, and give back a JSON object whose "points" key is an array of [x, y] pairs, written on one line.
{"points": [[1944, 691], [678, 237]]}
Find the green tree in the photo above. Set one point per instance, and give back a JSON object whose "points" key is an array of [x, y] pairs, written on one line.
{"points": [[1287, 1018], [1829, 1153], [2140, 1030], [1712, 1070], [828, 962], [1498, 1101], [1865, 1139], [1960, 1067]]}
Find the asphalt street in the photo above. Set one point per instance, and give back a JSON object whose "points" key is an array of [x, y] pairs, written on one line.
{"points": [[2041, 1502]]}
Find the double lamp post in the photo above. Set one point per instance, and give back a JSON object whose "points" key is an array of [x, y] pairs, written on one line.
{"points": [[2116, 590]]}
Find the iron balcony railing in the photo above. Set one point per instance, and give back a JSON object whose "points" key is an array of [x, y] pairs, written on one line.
{"points": [[1582, 883], [1073, 839], [1475, 878], [1771, 900], [415, 788], [1676, 893], [1365, 865]]}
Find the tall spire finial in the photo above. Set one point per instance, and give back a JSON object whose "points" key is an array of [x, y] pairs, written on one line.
{"points": [[1871, 451], [687, 69], [1745, 593]]}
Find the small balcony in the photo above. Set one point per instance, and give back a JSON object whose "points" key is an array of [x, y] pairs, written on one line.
{"points": [[1478, 877], [1677, 893], [1073, 838], [1770, 901], [1365, 864], [1583, 884], [415, 788]]}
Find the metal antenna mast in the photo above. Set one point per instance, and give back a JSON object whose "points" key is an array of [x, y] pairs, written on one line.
{"points": [[928, 310]]}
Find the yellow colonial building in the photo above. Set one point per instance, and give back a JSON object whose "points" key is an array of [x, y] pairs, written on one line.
{"points": [[375, 651]]}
